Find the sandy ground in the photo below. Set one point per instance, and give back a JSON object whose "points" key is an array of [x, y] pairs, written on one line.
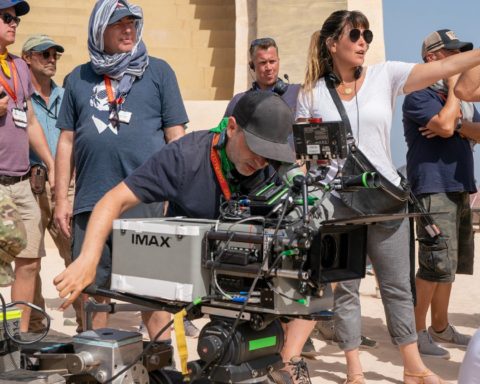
{"points": [[381, 365]]}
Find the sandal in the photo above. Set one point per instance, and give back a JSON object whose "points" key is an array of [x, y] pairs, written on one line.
{"points": [[423, 375], [355, 378]]}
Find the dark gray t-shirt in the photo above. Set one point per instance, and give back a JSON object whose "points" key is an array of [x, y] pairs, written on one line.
{"points": [[191, 189], [104, 155], [290, 97]]}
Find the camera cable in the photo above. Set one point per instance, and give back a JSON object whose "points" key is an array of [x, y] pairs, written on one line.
{"points": [[5, 321], [228, 339]]}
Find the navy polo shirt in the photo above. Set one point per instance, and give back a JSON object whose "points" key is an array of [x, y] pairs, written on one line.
{"points": [[436, 165]]}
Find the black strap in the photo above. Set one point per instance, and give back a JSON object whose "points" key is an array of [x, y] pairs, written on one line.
{"points": [[427, 219], [339, 105]]}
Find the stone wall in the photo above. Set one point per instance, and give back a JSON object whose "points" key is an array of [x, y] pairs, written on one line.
{"points": [[197, 38], [292, 22]]}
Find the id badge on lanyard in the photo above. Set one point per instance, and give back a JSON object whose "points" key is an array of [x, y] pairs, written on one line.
{"points": [[19, 117], [19, 113], [117, 114]]}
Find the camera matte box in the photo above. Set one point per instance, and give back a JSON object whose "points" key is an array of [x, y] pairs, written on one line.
{"points": [[160, 258]]}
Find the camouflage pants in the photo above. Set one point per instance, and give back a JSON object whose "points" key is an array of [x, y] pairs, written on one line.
{"points": [[13, 238]]}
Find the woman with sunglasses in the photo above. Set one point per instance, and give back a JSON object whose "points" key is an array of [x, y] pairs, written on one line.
{"points": [[368, 94]]}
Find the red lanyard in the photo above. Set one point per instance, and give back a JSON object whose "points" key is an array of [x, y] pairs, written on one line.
{"points": [[217, 167], [111, 97], [6, 86]]}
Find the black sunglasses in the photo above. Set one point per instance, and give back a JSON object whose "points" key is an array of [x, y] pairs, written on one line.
{"points": [[7, 18], [355, 34], [46, 55]]}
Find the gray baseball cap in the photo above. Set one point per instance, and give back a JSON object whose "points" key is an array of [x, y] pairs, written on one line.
{"points": [[267, 122], [121, 10]]}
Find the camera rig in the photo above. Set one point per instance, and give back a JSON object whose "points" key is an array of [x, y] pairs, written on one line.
{"points": [[269, 258]]}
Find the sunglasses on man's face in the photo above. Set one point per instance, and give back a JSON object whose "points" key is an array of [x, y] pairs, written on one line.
{"points": [[47, 54], [7, 18], [355, 34]]}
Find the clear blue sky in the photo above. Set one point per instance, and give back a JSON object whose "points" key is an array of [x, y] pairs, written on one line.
{"points": [[406, 23]]}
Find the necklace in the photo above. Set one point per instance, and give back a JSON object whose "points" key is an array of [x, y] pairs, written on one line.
{"points": [[346, 90]]}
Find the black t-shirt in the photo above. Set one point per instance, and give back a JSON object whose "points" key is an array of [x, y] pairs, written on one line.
{"points": [[182, 174], [435, 165]]}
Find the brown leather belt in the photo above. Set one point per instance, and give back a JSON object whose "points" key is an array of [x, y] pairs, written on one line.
{"points": [[10, 180]]}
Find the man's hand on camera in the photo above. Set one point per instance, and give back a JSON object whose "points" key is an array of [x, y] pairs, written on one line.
{"points": [[71, 282]]}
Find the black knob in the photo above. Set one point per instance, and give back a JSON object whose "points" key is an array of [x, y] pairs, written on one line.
{"points": [[208, 347]]}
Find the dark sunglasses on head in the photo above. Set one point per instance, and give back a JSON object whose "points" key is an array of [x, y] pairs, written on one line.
{"points": [[355, 34], [47, 54], [7, 18]]}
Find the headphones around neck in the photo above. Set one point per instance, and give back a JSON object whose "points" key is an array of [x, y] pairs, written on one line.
{"points": [[280, 87], [332, 76]]}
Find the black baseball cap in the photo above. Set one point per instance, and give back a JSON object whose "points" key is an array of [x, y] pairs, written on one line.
{"points": [[444, 38], [122, 10], [267, 122], [21, 7]]}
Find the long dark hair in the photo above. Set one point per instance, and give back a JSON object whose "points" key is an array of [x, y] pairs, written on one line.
{"points": [[319, 60]]}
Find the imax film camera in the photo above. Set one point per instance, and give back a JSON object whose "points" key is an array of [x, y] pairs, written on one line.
{"points": [[270, 257]]}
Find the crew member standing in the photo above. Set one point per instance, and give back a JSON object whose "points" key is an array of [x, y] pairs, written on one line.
{"points": [[118, 109], [265, 64], [18, 129]]}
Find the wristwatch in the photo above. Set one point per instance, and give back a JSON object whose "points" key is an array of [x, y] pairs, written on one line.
{"points": [[459, 125]]}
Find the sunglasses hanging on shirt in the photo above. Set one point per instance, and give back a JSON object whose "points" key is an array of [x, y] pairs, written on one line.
{"points": [[355, 34]]}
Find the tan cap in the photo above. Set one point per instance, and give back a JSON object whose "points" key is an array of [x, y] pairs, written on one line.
{"points": [[40, 43], [443, 38]]}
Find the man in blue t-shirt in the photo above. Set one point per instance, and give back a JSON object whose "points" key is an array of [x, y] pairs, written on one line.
{"points": [[118, 109], [265, 63], [438, 127]]}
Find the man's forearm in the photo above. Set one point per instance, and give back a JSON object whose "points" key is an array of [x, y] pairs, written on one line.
{"points": [[444, 123], [109, 208], [174, 133], [468, 85], [64, 165], [470, 130], [38, 143]]}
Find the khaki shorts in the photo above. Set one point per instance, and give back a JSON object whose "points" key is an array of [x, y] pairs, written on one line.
{"points": [[439, 261], [22, 196]]}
